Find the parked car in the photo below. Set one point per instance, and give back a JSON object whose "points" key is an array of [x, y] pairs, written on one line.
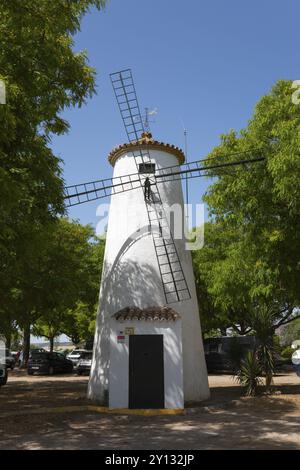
{"points": [[36, 351], [10, 360], [280, 362], [75, 355], [15, 355], [48, 363], [220, 351], [3, 374], [85, 363]]}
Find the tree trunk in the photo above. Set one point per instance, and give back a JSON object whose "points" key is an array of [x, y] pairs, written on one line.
{"points": [[51, 343], [269, 381], [26, 345], [75, 339], [8, 340]]}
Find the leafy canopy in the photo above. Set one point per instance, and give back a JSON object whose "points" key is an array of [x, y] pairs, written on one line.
{"points": [[43, 76], [251, 256]]}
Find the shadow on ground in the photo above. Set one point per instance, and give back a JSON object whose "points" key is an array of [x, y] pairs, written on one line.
{"points": [[265, 423], [57, 391]]}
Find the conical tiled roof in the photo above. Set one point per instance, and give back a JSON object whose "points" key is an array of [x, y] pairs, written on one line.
{"points": [[147, 141]]}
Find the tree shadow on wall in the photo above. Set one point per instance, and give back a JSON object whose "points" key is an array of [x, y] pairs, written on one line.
{"points": [[124, 283], [134, 281]]}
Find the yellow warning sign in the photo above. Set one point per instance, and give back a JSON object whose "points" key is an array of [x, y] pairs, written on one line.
{"points": [[129, 331]]}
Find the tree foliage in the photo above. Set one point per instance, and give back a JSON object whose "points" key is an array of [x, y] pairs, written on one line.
{"points": [[291, 333], [251, 257], [70, 264], [43, 76]]}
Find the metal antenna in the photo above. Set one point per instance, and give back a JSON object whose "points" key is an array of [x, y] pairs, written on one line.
{"points": [[187, 179], [186, 161], [147, 121]]}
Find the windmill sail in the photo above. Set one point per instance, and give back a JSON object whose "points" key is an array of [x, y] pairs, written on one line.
{"points": [[93, 190], [172, 276]]}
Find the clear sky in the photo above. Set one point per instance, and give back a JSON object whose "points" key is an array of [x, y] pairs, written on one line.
{"points": [[201, 62]]}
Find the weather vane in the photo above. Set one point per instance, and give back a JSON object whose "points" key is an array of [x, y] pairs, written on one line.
{"points": [[147, 118]]}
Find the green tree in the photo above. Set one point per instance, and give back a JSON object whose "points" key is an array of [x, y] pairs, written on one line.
{"points": [[43, 76], [80, 322], [223, 281], [291, 333], [260, 205], [234, 285], [68, 280]]}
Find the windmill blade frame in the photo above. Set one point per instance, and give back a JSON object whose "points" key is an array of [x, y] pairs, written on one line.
{"points": [[125, 93], [100, 189], [175, 286]]}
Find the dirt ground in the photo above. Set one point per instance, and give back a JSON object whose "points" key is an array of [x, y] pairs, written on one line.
{"points": [[226, 421]]}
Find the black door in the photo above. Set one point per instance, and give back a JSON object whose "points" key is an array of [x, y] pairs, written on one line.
{"points": [[146, 371]]}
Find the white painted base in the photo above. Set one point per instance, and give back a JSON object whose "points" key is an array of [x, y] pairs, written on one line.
{"points": [[119, 361], [131, 277]]}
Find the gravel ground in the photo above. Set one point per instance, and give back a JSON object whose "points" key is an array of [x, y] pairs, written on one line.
{"points": [[267, 422]]}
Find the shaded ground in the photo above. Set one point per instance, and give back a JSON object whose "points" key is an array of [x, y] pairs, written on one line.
{"points": [[24, 392], [260, 423]]}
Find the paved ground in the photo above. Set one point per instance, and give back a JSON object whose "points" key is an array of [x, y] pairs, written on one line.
{"points": [[261, 423]]}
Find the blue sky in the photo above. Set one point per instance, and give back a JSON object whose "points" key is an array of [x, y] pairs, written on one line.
{"points": [[201, 62]]}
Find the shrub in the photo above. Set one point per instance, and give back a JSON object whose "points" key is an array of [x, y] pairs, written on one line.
{"points": [[287, 352], [249, 373]]}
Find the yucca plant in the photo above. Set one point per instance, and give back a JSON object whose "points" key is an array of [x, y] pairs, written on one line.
{"points": [[249, 372], [262, 320]]}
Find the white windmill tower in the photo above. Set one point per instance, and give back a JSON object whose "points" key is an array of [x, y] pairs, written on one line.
{"points": [[148, 350]]}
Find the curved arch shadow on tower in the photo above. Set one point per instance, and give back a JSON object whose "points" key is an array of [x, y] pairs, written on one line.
{"points": [[122, 277]]}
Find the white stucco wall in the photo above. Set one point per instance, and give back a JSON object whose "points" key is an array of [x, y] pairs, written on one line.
{"points": [[131, 277], [119, 361]]}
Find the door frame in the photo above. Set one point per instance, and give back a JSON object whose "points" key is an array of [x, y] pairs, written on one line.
{"points": [[160, 370]]}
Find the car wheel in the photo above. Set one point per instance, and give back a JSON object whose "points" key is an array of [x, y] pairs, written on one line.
{"points": [[3, 380], [51, 370], [29, 372]]}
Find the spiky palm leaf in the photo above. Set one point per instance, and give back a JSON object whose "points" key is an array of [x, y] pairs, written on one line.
{"points": [[262, 320], [249, 373]]}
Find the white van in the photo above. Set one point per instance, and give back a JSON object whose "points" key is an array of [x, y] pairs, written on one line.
{"points": [[3, 374], [3, 369], [75, 356]]}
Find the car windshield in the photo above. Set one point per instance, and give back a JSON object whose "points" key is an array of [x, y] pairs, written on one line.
{"points": [[38, 351], [87, 355], [58, 356], [40, 355], [76, 353]]}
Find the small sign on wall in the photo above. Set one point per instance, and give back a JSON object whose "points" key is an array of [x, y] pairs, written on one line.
{"points": [[121, 339], [129, 330]]}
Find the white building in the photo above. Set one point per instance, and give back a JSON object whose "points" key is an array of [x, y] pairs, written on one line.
{"points": [[146, 359], [132, 279]]}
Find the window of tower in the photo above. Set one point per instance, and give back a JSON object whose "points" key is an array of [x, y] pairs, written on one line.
{"points": [[147, 168]]}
